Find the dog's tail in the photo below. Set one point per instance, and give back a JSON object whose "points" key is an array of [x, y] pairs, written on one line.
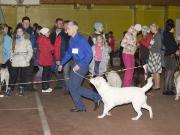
{"points": [[148, 85]]}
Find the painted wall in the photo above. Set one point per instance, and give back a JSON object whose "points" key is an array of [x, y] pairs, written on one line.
{"points": [[115, 18], [10, 15]]}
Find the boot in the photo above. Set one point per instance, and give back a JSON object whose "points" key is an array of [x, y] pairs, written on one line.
{"points": [[21, 91], [9, 91]]}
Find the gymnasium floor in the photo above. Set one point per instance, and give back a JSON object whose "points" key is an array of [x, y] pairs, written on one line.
{"points": [[37, 113]]}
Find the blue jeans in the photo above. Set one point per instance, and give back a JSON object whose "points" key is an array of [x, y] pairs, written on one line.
{"points": [[96, 67], [77, 91]]}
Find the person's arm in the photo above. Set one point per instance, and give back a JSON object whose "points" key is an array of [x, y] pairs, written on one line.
{"points": [[90, 41], [33, 40], [67, 56], [146, 42], [159, 42], [57, 47], [8, 46], [29, 51], [50, 46], [126, 41]]}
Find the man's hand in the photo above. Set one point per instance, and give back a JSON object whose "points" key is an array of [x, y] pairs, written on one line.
{"points": [[76, 68], [60, 68]]}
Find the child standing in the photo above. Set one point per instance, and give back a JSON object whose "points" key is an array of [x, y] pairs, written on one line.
{"points": [[7, 46], [20, 60], [45, 57], [100, 59], [129, 48]]}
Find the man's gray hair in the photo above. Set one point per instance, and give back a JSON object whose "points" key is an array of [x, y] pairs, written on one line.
{"points": [[73, 23]]}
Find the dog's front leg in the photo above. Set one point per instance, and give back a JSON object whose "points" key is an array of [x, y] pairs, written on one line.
{"points": [[107, 108]]}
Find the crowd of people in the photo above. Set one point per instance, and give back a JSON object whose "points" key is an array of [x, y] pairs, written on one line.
{"points": [[36, 53]]}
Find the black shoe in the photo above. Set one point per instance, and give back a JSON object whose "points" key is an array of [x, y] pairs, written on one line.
{"points": [[172, 93], [9, 92], [168, 93], [96, 104], [77, 110]]}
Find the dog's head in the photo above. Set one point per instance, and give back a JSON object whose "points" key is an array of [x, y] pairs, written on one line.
{"points": [[98, 81]]}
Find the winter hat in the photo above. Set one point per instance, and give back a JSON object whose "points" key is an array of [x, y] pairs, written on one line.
{"points": [[137, 27], [98, 26], [44, 30]]}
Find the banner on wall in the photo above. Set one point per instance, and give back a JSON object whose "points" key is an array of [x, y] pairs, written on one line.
{"points": [[178, 28], [19, 2]]}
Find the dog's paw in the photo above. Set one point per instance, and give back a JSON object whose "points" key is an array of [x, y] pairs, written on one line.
{"points": [[134, 118], [1, 95], [101, 116], [177, 98]]}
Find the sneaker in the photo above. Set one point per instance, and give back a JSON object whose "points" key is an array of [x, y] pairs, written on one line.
{"points": [[21, 91], [9, 92], [47, 90]]}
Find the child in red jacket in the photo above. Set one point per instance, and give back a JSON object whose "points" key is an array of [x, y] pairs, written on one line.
{"points": [[45, 57]]}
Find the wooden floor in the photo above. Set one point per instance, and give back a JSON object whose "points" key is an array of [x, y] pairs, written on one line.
{"points": [[21, 116]]}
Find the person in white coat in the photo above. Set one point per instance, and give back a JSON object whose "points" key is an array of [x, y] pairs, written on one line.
{"points": [[20, 59]]}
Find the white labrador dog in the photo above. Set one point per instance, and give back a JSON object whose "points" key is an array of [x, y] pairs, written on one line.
{"points": [[177, 84], [114, 79], [4, 76], [113, 96]]}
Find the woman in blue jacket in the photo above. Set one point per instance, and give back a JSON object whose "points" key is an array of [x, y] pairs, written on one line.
{"points": [[7, 46]]}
